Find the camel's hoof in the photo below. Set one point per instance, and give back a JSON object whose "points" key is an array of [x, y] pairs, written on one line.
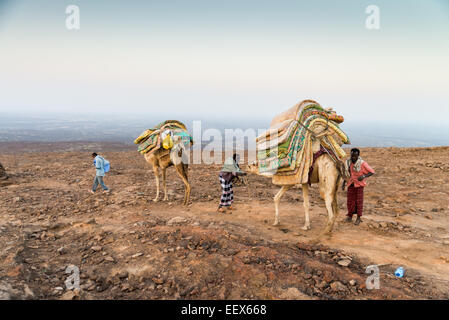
{"points": [[276, 223], [305, 228], [314, 241], [165, 199], [155, 200]]}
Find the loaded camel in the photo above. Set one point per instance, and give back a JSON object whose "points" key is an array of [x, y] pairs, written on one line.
{"points": [[326, 171], [328, 175], [163, 159]]}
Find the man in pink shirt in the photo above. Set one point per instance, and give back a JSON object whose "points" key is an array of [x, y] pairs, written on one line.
{"points": [[359, 170]]}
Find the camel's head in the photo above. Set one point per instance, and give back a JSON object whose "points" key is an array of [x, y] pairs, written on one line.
{"points": [[344, 172], [252, 167], [176, 139], [178, 153]]}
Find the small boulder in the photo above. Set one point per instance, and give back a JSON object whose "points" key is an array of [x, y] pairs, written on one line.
{"points": [[29, 294], [176, 220], [383, 224], [344, 262], [71, 295], [337, 286], [293, 294]]}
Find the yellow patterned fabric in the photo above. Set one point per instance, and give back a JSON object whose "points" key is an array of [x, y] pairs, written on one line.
{"points": [[144, 136], [151, 140]]}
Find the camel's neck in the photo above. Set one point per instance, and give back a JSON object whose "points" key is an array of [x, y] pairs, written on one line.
{"points": [[316, 146]]}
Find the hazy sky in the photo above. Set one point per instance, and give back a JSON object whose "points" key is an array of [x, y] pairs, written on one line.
{"points": [[239, 59]]}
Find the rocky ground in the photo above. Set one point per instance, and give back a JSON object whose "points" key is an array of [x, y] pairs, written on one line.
{"points": [[128, 247]]}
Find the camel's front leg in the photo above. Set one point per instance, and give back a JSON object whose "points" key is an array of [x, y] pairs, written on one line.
{"points": [[335, 204], [329, 199], [156, 176], [277, 199], [183, 174], [164, 183], [187, 194], [305, 196]]}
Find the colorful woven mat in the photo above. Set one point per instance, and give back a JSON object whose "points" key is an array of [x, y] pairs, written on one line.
{"points": [[150, 140], [288, 153]]}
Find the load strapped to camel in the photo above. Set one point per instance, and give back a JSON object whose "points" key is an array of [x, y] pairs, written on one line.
{"points": [[164, 134], [284, 151]]}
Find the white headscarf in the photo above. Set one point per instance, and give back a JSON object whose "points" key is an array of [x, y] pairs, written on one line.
{"points": [[357, 165]]}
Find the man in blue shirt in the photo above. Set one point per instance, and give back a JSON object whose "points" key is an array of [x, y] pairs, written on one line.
{"points": [[99, 166]]}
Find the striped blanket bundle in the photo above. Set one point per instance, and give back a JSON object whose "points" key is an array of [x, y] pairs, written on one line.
{"points": [[152, 139], [285, 149]]}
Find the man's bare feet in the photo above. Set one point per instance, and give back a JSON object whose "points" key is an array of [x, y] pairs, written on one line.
{"points": [[106, 191], [91, 191]]}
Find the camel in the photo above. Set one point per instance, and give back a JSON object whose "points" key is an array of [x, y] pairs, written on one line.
{"points": [[163, 159], [328, 175]]}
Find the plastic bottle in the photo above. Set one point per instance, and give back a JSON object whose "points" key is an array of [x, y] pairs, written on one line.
{"points": [[399, 272]]}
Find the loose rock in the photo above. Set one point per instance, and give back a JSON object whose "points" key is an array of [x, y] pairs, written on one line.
{"points": [[338, 286], [176, 220], [344, 262]]}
